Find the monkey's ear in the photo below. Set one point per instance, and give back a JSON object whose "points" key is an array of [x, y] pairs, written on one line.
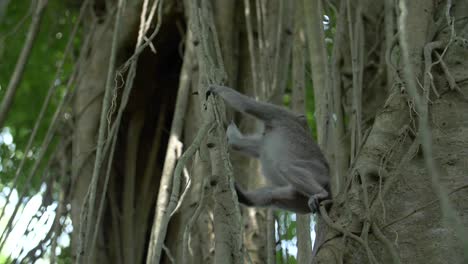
{"points": [[303, 119]]}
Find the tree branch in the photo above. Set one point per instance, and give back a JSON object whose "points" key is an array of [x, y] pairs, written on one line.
{"points": [[22, 61]]}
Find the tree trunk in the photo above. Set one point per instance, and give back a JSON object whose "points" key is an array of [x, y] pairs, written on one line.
{"points": [[394, 204]]}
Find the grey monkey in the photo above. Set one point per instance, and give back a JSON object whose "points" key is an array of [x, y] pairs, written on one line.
{"points": [[291, 161]]}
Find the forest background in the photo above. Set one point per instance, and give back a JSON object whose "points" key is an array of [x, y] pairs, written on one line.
{"points": [[108, 153]]}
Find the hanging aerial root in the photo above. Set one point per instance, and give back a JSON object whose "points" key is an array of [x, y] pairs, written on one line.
{"points": [[174, 197], [387, 243], [187, 238], [330, 223]]}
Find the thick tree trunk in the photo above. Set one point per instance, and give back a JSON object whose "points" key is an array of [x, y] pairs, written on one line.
{"points": [[392, 208]]}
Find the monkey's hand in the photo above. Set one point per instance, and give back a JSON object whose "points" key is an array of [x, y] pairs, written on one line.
{"points": [[212, 89], [233, 133]]}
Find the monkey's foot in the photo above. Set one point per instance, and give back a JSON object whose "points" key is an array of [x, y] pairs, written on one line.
{"points": [[233, 134], [314, 204]]}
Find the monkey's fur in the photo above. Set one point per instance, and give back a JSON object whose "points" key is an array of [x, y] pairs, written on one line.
{"points": [[291, 161]]}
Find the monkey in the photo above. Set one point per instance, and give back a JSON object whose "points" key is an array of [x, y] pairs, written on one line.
{"points": [[291, 161]]}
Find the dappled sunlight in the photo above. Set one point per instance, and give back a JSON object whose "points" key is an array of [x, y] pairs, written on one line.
{"points": [[31, 225]]}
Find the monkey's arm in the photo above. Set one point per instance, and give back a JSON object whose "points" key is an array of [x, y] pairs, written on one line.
{"points": [[263, 111], [284, 197], [249, 145]]}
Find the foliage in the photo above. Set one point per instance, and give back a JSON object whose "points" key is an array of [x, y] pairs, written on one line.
{"points": [[47, 51], [286, 237], [4, 259], [65, 256]]}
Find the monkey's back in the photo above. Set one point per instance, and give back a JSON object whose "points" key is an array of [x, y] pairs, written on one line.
{"points": [[297, 141]]}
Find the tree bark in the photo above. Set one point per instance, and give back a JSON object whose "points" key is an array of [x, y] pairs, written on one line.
{"points": [[390, 191]]}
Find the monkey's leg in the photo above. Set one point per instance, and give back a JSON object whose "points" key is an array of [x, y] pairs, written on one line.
{"points": [[249, 145], [308, 178], [315, 191], [315, 199], [284, 197]]}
